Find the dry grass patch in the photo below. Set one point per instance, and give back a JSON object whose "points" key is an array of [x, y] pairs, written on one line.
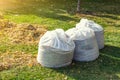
{"points": [[16, 59], [11, 32], [21, 33]]}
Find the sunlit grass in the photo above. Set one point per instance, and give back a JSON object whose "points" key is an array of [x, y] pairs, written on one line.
{"points": [[51, 23]]}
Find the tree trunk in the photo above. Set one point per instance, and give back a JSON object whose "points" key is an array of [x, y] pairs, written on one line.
{"points": [[78, 6]]}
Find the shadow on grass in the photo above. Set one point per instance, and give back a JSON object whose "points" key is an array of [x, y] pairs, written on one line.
{"points": [[101, 6], [104, 68], [111, 51]]}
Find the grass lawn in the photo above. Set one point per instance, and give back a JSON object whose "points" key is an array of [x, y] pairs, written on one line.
{"points": [[61, 14]]}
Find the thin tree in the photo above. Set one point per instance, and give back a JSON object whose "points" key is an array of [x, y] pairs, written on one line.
{"points": [[78, 6]]}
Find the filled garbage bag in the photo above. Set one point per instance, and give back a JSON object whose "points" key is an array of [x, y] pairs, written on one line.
{"points": [[86, 48], [55, 49], [99, 32]]}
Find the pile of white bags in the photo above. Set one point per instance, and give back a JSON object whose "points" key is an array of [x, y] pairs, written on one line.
{"points": [[58, 48], [55, 49], [86, 48], [99, 32]]}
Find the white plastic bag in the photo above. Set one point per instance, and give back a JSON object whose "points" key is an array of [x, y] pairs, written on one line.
{"points": [[86, 48], [55, 49], [99, 32]]}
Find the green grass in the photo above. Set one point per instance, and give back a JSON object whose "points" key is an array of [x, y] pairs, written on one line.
{"points": [[49, 22], [61, 14], [19, 47]]}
